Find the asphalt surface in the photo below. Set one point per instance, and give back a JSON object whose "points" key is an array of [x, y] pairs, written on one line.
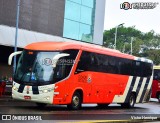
{"points": [[28, 111]]}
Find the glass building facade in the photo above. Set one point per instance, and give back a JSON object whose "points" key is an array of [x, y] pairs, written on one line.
{"points": [[49, 20], [79, 19]]}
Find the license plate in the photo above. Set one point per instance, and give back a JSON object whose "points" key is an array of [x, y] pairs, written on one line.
{"points": [[27, 97]]}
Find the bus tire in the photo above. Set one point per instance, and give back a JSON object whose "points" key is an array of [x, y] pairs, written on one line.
{"points": [[76, 102], [103, 106], [131, 102], [41, 105]]}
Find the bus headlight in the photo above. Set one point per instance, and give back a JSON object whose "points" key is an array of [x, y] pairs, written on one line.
{"points": [[15, 88], [45, 90]]}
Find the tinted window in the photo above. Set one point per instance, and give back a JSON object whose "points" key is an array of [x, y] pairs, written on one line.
{"points": [[79, 19], [72, 11], [76, 1], [71, 29], [36, 67], [85, 33], [86, 15], [115, 65], [89, 3], [64, 65], [156, 74], [147, 69]]}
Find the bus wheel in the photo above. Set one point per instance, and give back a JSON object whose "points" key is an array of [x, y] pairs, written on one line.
{"points": [[76, 102], [130, 103], [41, 105], [102, 105]]}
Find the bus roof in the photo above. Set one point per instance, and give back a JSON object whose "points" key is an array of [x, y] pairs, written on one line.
{"points": [[156, 67], [58, 46]]}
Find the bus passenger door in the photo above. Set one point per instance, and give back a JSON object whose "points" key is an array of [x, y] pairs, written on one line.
{"points": [[83, 77], [83, 81]]}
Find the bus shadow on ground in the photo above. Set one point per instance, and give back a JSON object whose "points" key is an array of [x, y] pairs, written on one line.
{"points": [[49, 108]]}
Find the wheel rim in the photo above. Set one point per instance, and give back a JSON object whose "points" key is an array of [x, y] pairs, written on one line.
{"points": [[75, 101], [131, 101]]}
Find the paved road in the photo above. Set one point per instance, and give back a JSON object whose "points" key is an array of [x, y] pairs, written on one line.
{"points": [[111, 113]]}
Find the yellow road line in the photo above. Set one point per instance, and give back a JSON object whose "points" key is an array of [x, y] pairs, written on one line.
{"points": [[107, 121], [97, 121]]}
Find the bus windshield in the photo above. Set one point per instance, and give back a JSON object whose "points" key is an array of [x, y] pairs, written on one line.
{"points": [[156, 74], [36, 67]]}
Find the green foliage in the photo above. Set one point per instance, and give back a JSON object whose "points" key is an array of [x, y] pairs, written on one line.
{"points": [[144, 44], [153, 55]]}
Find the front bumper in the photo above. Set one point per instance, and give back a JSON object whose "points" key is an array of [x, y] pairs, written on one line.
{"points": [[46, 93]]}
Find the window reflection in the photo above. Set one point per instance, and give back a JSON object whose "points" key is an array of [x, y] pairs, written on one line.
{"points": [[71, 29], [77, 1], [79, 19], [85, 33], [72, 11], [86, 15], [88, 3], [113, 65]]}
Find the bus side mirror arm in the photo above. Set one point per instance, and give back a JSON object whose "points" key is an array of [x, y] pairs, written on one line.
{"points": [[12, 55], [56, 57]]}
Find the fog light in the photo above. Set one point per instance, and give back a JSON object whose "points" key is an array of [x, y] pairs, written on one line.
{"points": [[48, 98], [45, 91]]}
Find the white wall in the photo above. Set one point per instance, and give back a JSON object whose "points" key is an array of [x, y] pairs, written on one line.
{"points": [[99, 22], [25, 37]]}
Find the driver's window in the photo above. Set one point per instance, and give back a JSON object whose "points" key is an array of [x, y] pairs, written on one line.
{"points": [[84, 62], [64, 65]]}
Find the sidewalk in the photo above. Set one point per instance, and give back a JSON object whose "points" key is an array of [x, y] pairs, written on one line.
{"points": [[6, 98]]}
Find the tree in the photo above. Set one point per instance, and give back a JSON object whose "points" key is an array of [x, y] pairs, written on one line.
{"points": [[154, 55], [144, 44]]}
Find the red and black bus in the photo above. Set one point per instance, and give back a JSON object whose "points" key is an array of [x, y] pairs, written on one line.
{"points": [[156, 83]]}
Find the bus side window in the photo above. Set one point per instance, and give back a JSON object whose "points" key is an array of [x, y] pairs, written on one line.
{"points": [[156, 74], [147, 71], [88, 62], [64, 65], [94, 64], [83, 62], [137, 68]]}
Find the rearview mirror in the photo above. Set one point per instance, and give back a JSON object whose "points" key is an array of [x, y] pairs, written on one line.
{"points": [[56, 58], [12, 55]]}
